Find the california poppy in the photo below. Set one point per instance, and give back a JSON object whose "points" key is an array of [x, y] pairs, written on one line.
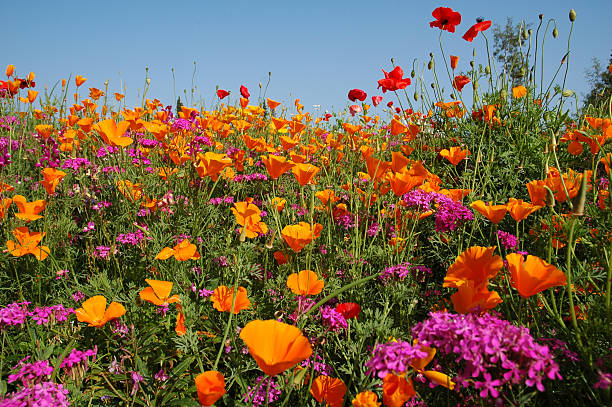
{"points": [[446, 19], [249, 215], [348, 309], [306, 282], [274, 345], [519, 91], [397, 390], [181, 252], [27, 243], [9, 70], [355, 94], [403, 182], [460, 81], [453, 61], [420, 364], [158, 292], [79, 80], [519, 210], [494, 213], [304, 173], [280, 257], [473, 31], [298, 236], [179, 328], [393, 80], [533, 275], [470, 297], [476, 264], [366, 399], [278, 203], [211, 164], [94, 311], [211, 387], [454, 154], [223, 297], [4, 205], [113, 133], [276, 165], [28, 211], [330, 390], [272, 104]]}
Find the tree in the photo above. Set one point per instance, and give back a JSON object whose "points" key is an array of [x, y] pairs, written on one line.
{"points": [[507, 49], [600, 79]]}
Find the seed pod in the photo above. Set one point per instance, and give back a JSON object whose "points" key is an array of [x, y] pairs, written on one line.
{"points": [[555, 32], [572, 15], [567, 93]]}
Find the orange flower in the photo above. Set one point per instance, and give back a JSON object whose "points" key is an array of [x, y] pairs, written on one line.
{"points": [[537, 192], [304, 173], [454, 154], [272, 104], [79, 80], [495, 213], [280, 257], [119, 96], [306, 282], [182, 251], [28, 211], [519, 210], [329, 390], [278, 204], [453, 61], [95, 313], [403, 182], [469, 297], [223, 297], [4, 205], [211, 387], [438, 377], [131, 191], [112, 133], [298, 236], [397, 390], [519, 92], [476, 264], [249, 216], [27, 243], [275, 346], [180, 324], [158, 293], [376, 168], [533, 275], [211, 164], [327, 195], [397, 127], [10, 69], [366, 399], [52, 177]]}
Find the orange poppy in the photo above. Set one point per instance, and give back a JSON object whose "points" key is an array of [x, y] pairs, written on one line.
{"points": [[278, 203], [180, 324], [272, 104], [112, 133], [537, 192], [182, 251], [470, 297], [453, 61], [27, 243], [366, 399], [533, 275], [306, 282], [223, 297], [249, 216], [298, 236], [438, 377], [28, 211], [494, 213], [454, 154], [398, 127], [4, 205], [476, 264], [519, 92], [211, 164], [274, 345], [280, 257], [376, 168], [79, 80], [6, 187], [327, 195], [399, 162], [276, 165], [519, 210], [10, 69], [304, 173], [211, 387], [397, 390], [403, 182], [158, 293], [131, 191], [95, 313], [330, 390]]}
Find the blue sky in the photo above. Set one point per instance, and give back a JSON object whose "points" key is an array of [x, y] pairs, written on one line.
{"points": [[316, 50]]}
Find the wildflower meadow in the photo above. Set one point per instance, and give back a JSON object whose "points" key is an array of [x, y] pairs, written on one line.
{"points": [[414, 249]]}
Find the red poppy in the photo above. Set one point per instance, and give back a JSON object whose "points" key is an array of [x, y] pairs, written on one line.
{"points": [[376, 100], [446, 19], [460, 81], [244, 92], [348, 309], [475, 29], [355, 94], [389, 104], [222, 93], [393, 80]]}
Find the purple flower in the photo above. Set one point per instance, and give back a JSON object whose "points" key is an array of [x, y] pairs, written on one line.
{"points": [[393, 357], [332, 319], [264, 390], [30, 373], [14, 314], [136, 379], [45, 394], [77, 356], [604, 380], [508, 240]]}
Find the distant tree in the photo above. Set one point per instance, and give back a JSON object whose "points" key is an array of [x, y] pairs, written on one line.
{"points": [[178, 105], [600, 80], [507, 49]]}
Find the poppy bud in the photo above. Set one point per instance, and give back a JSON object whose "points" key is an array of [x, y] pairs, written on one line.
{"points": [[148, 81], [541, 16], [452, 96], [547, 116], [392, 61], [412, 74], [416, 96], [572, 15], [525, 34], [504, 93], [430, 65], [488, 69], [433, 85], [475, 85], [567, 93], [431, 55], [555, 32], [472, 64]]}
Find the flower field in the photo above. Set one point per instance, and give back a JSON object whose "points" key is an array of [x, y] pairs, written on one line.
{"points": [[417, 248]]}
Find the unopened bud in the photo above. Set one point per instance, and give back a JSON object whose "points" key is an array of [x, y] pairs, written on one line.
{"points": [[555, 32], [567, 93], [431, 55], [541, 16], [148, 81], [488, 69], [259, 85], [504, 94], [472, 64], [392, 61], [433, 85], [430, 65], [412, 74], [547, 116], [452, 96], [572, 15], [525, 34], [416, 96]]}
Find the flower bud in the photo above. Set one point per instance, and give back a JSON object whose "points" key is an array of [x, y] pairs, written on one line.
{"points": [[572, 15], [472, 64], [148, 81], [555, 32], [475, 85], [430, 65], [504, 94], [412, 74], [433, 85], [567, 93], [416, 96], [525, 34], [488, 69]]}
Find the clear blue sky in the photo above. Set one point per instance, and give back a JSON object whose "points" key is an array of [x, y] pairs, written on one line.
{"points": [[316, 50]]}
